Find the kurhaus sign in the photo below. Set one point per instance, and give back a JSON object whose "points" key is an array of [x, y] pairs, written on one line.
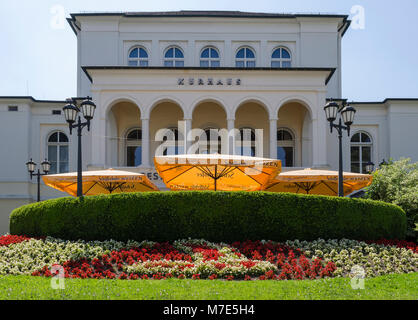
{"points": [[208, 81]]}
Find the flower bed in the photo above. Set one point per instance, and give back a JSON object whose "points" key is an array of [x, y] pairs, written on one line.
{"points": [[200, 259]]}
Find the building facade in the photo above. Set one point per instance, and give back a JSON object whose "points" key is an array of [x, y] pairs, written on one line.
{"points": [[208, 70]]}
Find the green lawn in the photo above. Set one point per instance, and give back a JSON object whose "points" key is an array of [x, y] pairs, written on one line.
{"points": [[387, 287]]}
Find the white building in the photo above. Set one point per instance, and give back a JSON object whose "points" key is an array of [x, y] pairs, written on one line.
{"points": [[147, 71]]}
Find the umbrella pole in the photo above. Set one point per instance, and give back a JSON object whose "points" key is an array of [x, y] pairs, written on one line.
{"points": [[216, 178]]}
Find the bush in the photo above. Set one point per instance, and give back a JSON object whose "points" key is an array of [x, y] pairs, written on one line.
{"points": [[214, 216], [397, 182]]}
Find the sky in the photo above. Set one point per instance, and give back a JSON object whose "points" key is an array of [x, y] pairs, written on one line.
{"points": [[379, 59]]}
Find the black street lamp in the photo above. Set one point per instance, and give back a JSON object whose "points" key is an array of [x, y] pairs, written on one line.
{"points": [[347, 115], [369, 167], [46, 166], [71, 111]]}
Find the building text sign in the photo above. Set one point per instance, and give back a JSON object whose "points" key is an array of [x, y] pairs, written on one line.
{"points": [[208, 81]]}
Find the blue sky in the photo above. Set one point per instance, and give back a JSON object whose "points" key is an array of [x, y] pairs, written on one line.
{"points": [[378, 61]]}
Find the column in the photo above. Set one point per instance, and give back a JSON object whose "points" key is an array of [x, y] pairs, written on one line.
{"points": [[231, 135], [98, 143], [145, 143], [273, 138], [97, 136], [320, 129], [187, 128], [319, 143]]}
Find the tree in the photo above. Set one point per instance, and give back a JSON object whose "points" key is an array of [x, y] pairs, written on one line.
{"points": [[397, 182]]}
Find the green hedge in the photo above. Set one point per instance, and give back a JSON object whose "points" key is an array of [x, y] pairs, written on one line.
{"points": [[214, 216]]}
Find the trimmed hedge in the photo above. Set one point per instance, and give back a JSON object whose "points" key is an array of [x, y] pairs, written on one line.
{"points": [[214, 216]]}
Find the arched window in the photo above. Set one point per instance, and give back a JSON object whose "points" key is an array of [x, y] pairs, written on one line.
{"points": [[134, 148], [281, 58], [175, 137], [245, 58], [285, 147], [361, 151], [58, 152], [213, 141], [209, 58], [246, 142], [174, 57], [138, 57]]}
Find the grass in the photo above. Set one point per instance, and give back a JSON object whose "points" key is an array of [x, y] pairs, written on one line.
{"points": [[404, 286]]}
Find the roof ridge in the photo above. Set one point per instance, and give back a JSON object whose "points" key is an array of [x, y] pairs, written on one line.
{"points": [[214, 13]]}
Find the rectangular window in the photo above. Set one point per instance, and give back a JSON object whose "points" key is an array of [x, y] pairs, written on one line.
{"points": [[52, 157], [13, 108], [63, 161], [285, 155], [168, 63], [366, 156], [239, 64], [134, 156], [56, 112], [250, 64], [355, 167], [180, 64], [204, 63], [355, 159], [355, 154]]}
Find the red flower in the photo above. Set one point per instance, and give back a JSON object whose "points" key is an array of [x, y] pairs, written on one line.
{"points": [[213, 277], [123, 276], [9, 239], [397, 243], [133, 276]]}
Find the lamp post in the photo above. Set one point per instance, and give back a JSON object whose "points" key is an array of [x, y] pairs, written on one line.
{"points": [[46, 166], [71, 112], [369, 167], [347, 116]]}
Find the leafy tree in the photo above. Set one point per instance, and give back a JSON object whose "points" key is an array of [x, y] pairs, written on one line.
{"points": [[397, 182]]}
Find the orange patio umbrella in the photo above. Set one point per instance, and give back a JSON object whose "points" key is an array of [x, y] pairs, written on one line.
{"points": [[216, 172], [100, 182], [322, 182]]}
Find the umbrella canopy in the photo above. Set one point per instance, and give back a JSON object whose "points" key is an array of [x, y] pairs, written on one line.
{"points": [[216, 172], [321, 182], [100, 182]]}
